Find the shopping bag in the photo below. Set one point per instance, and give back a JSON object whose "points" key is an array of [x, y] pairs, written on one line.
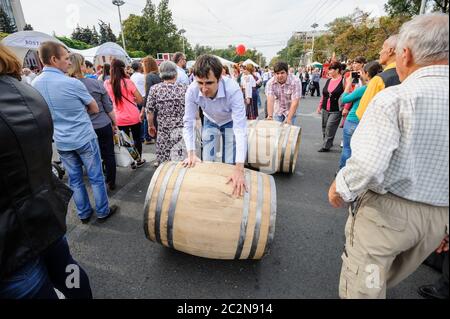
{"points": [[127, 142], [123, 157]]}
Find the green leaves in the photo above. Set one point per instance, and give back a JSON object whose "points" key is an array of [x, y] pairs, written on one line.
{"points": [[153, 32], [6, 25]]}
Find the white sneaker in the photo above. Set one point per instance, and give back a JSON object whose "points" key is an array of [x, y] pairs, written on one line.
{"points": [[342, 144]]}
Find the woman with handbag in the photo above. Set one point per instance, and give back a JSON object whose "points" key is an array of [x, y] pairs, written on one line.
{"points": [[104, 122], [329, 106], [34, 253], [125, 97]]}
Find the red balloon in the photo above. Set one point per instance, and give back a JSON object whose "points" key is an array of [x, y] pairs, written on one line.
{"points": [[240, 49]]}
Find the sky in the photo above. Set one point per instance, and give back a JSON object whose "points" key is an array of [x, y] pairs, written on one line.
{"points": [[265, 25]]}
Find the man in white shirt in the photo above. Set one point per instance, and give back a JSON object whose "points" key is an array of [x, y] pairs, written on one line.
{"points": [[399, 169], [222, 103], [267, 75], [138, 77], [180, 60]]}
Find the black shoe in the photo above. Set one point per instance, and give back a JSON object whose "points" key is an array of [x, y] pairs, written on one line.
{"points": [[323, 150], [112, 210], [86, 220], [141, 163], [430, 292]]}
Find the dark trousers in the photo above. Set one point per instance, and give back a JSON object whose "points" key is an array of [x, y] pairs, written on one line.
{"points": [[55, 268], [316, 87], [106, 143], [330, 124], [135, 130], [442, 284], [304, 86]]}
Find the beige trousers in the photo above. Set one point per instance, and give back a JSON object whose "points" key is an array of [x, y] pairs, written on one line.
{"points": [[387, 238]]}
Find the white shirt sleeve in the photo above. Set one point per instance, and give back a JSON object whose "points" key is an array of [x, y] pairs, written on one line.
{"points": [[190, 114], [239, 125]]}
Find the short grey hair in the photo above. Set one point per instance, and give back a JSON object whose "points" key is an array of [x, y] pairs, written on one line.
{"points": [[168, 70], [392, 41], [427, 38]]}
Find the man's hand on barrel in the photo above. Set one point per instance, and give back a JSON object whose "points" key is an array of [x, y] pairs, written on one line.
{"points": [[191, 160], [238, 180], [335, 199]]}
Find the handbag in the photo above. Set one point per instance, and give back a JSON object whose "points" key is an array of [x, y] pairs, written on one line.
{"points": [[122, 147], [123, 157], [127, 142]]}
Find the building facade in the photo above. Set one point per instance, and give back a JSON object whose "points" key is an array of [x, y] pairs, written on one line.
{"points": [[13, 9]]}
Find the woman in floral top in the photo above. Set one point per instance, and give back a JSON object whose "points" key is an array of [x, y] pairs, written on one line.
{"points": [[167, 99]]}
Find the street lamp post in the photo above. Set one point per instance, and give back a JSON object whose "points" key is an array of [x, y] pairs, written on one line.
{"points": [[423, 6], [181, 32], [314, 26], [120, 3]]}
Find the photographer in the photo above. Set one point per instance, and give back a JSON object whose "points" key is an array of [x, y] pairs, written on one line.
{"points": [[355, 79], [369, 71]]}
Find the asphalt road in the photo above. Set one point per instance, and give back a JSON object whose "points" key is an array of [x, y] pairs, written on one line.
{"points": [[304, 261]]}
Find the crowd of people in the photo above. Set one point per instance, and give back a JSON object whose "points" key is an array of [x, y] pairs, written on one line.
{"points": [[393, 170]]}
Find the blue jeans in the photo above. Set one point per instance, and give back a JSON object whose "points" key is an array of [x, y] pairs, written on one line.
{"points": [[282, 118], [54, 268], [210, 137], [73, 161], [349, 129]]}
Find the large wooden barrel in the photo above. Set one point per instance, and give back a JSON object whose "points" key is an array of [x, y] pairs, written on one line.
{"points": [[273, 146], [192, 210]]}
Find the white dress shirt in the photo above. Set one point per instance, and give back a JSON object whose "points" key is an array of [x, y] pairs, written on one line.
{"points": [[227, 106], [182, 76], [139, 80], [401, 145]]}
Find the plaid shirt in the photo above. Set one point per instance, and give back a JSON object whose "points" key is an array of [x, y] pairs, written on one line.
{"points": [[284, 93], [401, 145]]}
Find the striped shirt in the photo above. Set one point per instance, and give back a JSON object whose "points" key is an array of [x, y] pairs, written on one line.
{"points": [[401, 145]]}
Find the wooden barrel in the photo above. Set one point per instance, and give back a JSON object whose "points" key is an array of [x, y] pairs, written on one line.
{"points": [[192, 210], [273, 146]]}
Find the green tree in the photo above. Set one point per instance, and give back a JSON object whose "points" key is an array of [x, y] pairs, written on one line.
{"points": [[6, 25], [85, 35], [412, 7], [441, 5], [74, 44], [95, 40], [3, 35], [106, 33], [154, 32], [402, 7], [137, 54]]}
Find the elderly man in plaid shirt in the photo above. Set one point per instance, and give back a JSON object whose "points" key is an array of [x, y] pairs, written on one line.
{"points": [[399, 169], [283, 95]]}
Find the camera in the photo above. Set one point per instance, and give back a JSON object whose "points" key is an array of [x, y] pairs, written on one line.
{"points": [[355, 77]]}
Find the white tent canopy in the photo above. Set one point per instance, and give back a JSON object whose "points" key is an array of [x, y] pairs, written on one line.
{"points": [[104, 53], [230, 64], [24, 41], [249, 61], [225, 62]]}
